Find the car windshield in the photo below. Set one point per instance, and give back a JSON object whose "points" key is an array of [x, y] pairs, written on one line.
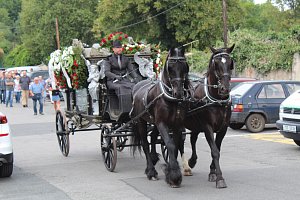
{"points": [[241, 89]]}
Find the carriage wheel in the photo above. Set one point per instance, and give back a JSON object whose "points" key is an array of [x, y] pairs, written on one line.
{"points": [[62, 134], [108, 148], [164, 152]]}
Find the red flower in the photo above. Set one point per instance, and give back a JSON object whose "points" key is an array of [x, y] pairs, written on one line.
{"points": [[75, 63], [103, 40], [126, 36], [155, 65], [130, 49], [111, 35], [109, 38], [120, 38]]}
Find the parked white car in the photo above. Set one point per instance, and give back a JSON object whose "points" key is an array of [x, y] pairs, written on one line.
{"points": [[6, 149], [289, 117]]}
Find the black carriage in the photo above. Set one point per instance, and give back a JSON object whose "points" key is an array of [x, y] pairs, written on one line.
{"points": [[113, 120]]}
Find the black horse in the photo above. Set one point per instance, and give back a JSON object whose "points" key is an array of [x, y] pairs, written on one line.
{"points": [[211, 113], [162, 103]]}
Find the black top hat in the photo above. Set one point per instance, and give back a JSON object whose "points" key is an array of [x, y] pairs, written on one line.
{"points": [[117, 44]]}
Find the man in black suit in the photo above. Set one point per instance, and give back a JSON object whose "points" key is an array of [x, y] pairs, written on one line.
{"points": [[118, 68]]}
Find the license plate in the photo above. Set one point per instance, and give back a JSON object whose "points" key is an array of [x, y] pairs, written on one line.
{"points": [[289, 128]]}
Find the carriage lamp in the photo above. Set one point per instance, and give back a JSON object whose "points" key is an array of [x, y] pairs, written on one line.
{"points": [[238, 108]]}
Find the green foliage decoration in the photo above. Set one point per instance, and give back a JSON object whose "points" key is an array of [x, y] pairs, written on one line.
{"points": [[263, 51]]}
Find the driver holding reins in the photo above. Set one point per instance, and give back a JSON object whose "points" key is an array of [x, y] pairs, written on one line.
{"points": [[118, 68]]}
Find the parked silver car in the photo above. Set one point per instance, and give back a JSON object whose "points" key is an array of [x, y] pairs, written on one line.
{"points": [[6, 149]]}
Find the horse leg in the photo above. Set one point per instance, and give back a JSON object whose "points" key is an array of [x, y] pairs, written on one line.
{"points": [[193, 159], [220, 181], [150, 170], [153, 153], [171, 169], [179, 141], [215, 170]]}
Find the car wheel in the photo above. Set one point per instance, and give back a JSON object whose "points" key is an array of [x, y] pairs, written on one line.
{"points": [[6, 170], [297, 142], [255, 123], [236, 126]]}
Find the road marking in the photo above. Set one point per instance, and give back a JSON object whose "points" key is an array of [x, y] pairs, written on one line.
{"points": [[271, 137]]}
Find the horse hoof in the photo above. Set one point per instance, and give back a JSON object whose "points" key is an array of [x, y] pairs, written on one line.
{"points": [[221, 184], [174, 186], [154, 178], [187, 172], [212, 177], [192, 163], [173, 176], [151, 174]]}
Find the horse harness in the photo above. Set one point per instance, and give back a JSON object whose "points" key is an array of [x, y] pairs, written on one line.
{"points": [[209, 100]]}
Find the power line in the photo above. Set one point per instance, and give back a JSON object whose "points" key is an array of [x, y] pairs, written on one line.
{"points": [[122, 27]]}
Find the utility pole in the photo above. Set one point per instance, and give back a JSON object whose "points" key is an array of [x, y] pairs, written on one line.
{"points": [[57, 33], [224, 12]]}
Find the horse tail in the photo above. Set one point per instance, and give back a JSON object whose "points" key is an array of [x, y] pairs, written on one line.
{"points": [[135, 139]]}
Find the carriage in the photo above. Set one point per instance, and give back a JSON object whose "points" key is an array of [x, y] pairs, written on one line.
{"points": [[112, 120], [175, 104]]}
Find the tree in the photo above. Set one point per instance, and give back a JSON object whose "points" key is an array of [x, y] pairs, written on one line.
{"points": [[1, 57], [262, 17], [176, 22], [37, 23], [13, 7], [5, 30]]}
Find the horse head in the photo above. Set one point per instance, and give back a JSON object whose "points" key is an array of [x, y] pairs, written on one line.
{"points": [[219, 72], [175, 73]]}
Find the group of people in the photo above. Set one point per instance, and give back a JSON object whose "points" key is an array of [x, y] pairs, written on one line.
{"points": [[13, 84], [10, 87], [19, 87]]}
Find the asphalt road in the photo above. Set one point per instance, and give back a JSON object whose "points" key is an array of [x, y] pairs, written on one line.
{"points": [[255, 166]]}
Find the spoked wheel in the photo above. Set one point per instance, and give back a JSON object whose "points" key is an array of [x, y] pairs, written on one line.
{"points": [[108, 148], [62, 134]]}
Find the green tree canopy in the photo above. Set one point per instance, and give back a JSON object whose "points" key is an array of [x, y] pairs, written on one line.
{"points": [[37, 21], [175, 22], [5, 30]]}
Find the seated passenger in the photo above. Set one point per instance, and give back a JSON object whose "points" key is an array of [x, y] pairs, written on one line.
{"points": [[118, 68]]}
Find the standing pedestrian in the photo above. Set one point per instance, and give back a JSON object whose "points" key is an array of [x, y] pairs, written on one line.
{"points": [[43, 82], [36, 90], [55, 96], [2, 87], [25, 81], [9, 82], [49, 88], [17, 89]]}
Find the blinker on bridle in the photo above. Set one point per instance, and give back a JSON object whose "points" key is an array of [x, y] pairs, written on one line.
{"points": [[173, 60], [213, 61]]}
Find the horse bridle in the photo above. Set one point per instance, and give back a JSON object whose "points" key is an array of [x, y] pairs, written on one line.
{"points": [[219, 78], [171, 88], [213, 61]]}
